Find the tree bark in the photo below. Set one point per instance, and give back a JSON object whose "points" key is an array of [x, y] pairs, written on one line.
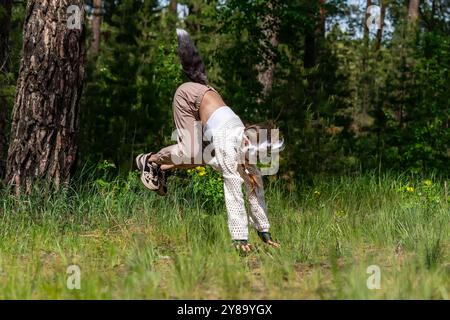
{"points": [[323, 18], [96, 26], [366, 19], [173, 14], [5, 25], [266, 69], [315, 33], [173, 6], [413, 10], [381, 27], [46, 109], [310, 50]]}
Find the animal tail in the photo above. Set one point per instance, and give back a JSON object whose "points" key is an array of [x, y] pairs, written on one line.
{"points": [[191, 60]]}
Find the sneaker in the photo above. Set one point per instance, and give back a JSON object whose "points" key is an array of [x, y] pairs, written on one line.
{"points": [[149, 172]]}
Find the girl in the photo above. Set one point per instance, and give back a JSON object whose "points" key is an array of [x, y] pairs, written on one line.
{"points": [[197, 106]]}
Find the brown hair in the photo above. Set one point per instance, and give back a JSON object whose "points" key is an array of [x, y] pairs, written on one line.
{"points": [[253, 132]]}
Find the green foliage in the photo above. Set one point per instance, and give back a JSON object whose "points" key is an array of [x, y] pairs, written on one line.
{"points": [[8, 79], [127, 102], [425, 193], [417, 109], [207, 185]]}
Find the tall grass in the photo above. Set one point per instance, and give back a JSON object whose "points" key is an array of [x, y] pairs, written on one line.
{"points": [[130, 243]]}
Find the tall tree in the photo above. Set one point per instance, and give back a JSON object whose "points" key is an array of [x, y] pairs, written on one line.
{"points": [[173, 15], [381, 26], [96, 26], [315, 31], [46, 109], [413, 10], [270, 28], [5, 22], [365, 22], [323, 18], [314, 36], [173, 6]]}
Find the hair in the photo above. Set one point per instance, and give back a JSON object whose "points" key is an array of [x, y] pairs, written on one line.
{"points": [[191, 61], [253, 133]]}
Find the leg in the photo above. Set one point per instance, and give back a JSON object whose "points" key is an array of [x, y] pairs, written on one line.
{"points": [[164, 158], [186, 153], [258, 208]]}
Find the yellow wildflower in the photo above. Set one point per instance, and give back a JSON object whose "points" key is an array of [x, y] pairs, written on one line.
{"points": [[410, 189], [317, 194], [202, 173], [340, 214], [428, 183]]}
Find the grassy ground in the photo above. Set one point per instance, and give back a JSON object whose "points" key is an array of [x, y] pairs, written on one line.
{"points": [[129, 243]]}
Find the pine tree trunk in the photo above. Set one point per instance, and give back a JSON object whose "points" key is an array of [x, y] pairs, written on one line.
{"points": [[381, 27], [173, 14], [365, 25], [266, 70], [46, 109], [413, 11], [314, 34], [310, 50], [323, 18], [5, 24], [96, 26], [173, 6], [313, 39]]}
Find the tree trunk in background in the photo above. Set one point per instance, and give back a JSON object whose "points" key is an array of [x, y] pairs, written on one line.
{"points": [[96, 26], [5, 24], [366, 27], [313, 38], [413, 11], [433, 13], [173, 14], [313, 34], [323, 18], [266, 69], [310, 50], [383, 5], [46, 108], [194, 24], [173, 6]]}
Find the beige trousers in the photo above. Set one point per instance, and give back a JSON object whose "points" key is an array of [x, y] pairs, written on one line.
{"points": [[189, 147]]}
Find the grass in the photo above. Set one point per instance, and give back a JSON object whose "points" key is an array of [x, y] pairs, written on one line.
{"points": [[130, 244]]}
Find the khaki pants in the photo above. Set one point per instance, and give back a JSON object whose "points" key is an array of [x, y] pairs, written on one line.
{"points": [[189, 147]]}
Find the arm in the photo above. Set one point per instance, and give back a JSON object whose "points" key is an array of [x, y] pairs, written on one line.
{"points": [[258, 208], [234, 201]]}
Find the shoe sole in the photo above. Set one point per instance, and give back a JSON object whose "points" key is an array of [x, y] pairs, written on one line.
{"points": [[141, 163], [161, 190]]}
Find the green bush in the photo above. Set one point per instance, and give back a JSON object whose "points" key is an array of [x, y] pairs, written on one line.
{"points": [[207, 185]]}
